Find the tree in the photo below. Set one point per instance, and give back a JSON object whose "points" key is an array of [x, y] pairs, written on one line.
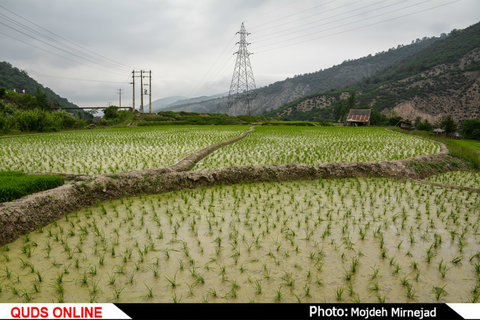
{"points": [[448, 124], [41, 100], [424, 125], [110, 112], [2, 92], [377, 118], [470, 129]]}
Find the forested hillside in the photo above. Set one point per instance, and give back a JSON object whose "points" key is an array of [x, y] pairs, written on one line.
{"points": [[279, 93], [442, 79], [12, 78]]}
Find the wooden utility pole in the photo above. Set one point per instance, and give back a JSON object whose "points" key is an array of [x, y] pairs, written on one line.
{"points": [[150, 91], [141, 91], [133, 92]]}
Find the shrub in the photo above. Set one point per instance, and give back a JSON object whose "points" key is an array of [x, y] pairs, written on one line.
{"points": [[470, 129], [448, 124], [424, 125]]}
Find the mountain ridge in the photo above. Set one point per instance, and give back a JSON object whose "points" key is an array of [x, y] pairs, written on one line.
{"points": [[282, 92], [442, 79], [12, 78]]}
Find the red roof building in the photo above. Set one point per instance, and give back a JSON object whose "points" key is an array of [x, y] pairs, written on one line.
{"points": [[358, 117]]}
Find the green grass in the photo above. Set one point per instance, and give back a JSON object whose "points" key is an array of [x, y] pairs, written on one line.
{"points": [[466, 149], [469, 143], [15, 184]]}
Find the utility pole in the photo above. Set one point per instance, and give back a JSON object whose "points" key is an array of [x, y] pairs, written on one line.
{"points": [[150, 91], [133, 92], [141, 91], [119, 91], [243, 82], [142, 74]]}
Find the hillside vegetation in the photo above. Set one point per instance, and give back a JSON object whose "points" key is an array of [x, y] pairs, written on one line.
{"points": [[440, 80], [31, 113], [277, 94], [13, 78]]}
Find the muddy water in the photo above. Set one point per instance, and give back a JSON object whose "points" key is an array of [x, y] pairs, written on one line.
{"points": [[348, 240]]}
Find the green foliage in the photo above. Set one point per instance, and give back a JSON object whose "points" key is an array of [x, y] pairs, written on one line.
{"points": [[14, 78], [470, 129], [448, 124], [424, 125], [27, 113], [110, 112], [44, 121], [15, 184], [378, 118], [342, 107], [456, 148], [446, 50]]}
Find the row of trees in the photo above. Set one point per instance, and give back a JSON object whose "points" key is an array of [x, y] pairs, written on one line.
{"points": [[26, 113]]}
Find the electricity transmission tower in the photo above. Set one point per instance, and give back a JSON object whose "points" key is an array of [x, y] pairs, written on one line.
{"points": [[243, 81]]}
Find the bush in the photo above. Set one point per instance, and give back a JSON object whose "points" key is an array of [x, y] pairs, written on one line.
{"points": [[448, 124], [14, 184], [424, 125], [44, 121], [110, 113], [470, 129]]}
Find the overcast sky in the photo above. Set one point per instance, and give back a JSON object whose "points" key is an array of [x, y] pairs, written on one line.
{"points": [[85, 50]]}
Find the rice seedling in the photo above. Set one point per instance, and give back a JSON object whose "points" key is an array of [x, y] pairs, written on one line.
{"points": [[339, 293], [111, 150], [439, 292], [319, 144], [261, 243]]}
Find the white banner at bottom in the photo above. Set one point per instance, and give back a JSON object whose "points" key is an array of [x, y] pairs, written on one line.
{"points": [[466, 310], [61, 311]]}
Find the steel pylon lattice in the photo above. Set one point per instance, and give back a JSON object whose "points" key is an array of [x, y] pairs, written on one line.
{"points": [[243, 82]]}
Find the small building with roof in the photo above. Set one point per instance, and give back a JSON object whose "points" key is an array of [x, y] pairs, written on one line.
{"points": [[358, 117]]}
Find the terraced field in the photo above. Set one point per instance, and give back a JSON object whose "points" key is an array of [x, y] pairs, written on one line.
{"points": [[469, 179], [313, 145], [109, 150], [349, 240]]}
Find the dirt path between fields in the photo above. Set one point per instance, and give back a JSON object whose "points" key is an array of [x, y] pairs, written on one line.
{"points": [[27, 214]]}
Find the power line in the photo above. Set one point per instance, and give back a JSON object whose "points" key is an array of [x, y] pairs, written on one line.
{"points": [[220, 57], [61, 37], [53, 46], [293, 30], [348, 23], [78, 79], [360, 27], [287, 16]]}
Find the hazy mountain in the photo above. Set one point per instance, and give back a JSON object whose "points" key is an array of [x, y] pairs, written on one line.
{"points": [[183, 105], [279, 93], [442, 79], [162, 103]]}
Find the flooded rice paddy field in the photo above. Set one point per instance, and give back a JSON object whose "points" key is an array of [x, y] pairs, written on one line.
{"points": [[109, 150], [348, 240], [313, 145], [458, 178]]}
